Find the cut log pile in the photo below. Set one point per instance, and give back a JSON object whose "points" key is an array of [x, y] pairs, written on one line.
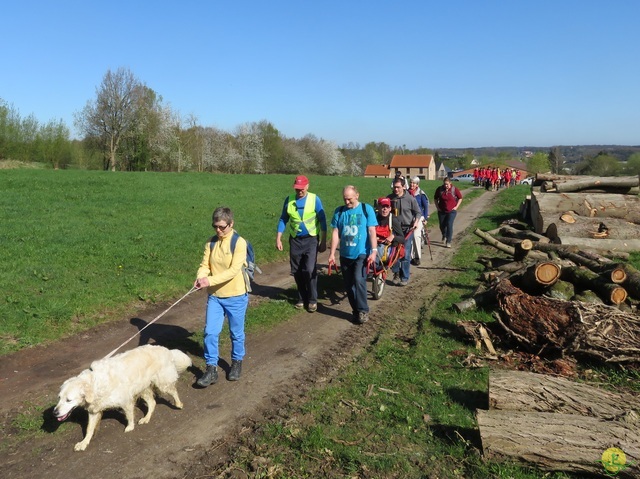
{"points": [[586, 211], [560, 425], [561, 293]]}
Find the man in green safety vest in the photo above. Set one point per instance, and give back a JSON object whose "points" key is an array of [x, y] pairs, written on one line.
{"points": [[307, 221]]}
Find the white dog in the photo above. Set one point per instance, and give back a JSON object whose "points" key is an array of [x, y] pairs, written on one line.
{"points": [[117, 382]]}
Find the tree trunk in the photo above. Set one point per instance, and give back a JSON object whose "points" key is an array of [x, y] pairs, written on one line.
{"points": [[606, 246], [610, 271], [632, 281], [536, 278], [522, 425], [561, 290], [596, 331], [589, 181], [527, 391], [583, 278], [615, 182], [510, 250], [525, 209], [589, 205], [587, 296], [598, 228], [634, 190], [557, 442], [561, 249], [523, 234], [501, 264]]}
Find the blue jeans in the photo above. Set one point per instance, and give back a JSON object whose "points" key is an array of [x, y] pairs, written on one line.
{"points": [[235, 309], [403, 265], [354, 274], [446, 224]]}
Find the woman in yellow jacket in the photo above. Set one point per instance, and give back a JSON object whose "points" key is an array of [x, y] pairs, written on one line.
{"points": [[221, 273]]}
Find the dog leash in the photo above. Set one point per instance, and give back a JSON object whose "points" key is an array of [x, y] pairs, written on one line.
{"points": [[151, 322]]}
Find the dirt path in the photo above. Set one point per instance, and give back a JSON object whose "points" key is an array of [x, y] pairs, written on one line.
{"points": [[280, 364]]}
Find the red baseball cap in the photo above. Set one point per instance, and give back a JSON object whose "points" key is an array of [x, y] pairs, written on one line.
{"points": [[301, 182], [384, 201]]}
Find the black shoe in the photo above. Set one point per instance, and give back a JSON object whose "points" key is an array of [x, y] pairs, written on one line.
{"points": [[209, 377], [415, 262], [235, 371]]}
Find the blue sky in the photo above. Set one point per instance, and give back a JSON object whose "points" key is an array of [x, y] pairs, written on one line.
{"points": [[437, 74]]}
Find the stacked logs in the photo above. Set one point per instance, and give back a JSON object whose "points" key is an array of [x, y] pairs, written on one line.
{"points": [[559, 425], [586, 211], [560, 299], [557, 304]]}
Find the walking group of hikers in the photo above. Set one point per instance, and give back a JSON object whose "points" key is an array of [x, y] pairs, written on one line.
{"points": [[493, 178], [362, 236]]}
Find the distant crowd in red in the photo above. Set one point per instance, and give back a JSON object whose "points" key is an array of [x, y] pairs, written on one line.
{"points": [[492, 178]]}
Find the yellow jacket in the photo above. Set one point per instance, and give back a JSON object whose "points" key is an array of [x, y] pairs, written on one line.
{"points": [[224, 269]]}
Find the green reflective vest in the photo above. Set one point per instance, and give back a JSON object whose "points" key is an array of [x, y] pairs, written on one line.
{"points": [[309, 216]]}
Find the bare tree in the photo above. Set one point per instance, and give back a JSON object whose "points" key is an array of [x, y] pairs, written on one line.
{"points": [[112, 114]]}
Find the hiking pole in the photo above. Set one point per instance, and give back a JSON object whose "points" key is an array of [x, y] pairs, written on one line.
{"points": [[426, 233]]}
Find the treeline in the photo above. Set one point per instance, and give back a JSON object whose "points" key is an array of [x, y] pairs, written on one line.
{"points": [[127, 127], [26, 139]]}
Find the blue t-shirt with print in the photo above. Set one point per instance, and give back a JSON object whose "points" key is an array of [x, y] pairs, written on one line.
{"points": [[353, 227]]}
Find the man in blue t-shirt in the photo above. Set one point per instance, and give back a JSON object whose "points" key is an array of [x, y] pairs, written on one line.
{"points": [[354, 231]]}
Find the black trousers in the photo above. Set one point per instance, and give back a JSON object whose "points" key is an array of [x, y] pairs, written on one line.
{"points": [[303, 256]]}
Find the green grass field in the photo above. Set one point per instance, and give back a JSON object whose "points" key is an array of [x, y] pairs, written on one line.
{"points": [[83, 247]]}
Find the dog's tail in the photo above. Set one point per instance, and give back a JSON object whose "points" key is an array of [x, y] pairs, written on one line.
{"points": [[180, 360]]}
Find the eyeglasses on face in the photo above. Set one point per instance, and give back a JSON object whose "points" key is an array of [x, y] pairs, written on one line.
{"points": [[221, 227]]}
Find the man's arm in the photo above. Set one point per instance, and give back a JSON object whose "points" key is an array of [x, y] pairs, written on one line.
{"points": [[322, 219], [335, 241], [373, 239], [282, 224]]}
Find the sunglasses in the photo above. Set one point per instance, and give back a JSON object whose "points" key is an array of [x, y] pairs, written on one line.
{"points": [[221, 227]]}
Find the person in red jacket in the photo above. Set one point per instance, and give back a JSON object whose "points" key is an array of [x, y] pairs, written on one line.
{"points": [[447, 199], [507, 178]]}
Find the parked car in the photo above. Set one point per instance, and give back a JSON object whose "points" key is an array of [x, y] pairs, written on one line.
{"points": [[466, 177], [527, 181]]}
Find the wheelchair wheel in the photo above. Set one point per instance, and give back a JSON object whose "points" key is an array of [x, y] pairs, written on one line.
{"points": [[378, 286]]}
